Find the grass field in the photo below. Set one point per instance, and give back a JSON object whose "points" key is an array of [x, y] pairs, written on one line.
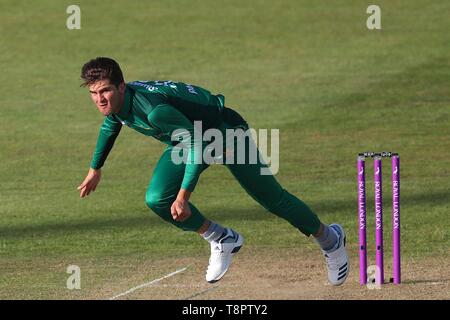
{"points": [[309, 68]]}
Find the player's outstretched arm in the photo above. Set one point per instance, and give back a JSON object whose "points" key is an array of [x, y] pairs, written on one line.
{"points": [[90, 182]]}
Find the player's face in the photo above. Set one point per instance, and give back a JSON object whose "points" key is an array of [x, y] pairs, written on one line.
{"points": [[107, 97]]}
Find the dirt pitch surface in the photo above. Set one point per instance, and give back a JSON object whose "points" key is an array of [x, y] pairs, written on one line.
{"points": [[290, 275]]}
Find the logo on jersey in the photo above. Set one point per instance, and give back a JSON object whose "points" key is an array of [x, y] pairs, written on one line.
{"points": [[143, 84]]}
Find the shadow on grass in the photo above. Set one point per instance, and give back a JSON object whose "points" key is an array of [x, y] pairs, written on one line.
{"points": [[253, 213], [121, 224], [429, 200]]}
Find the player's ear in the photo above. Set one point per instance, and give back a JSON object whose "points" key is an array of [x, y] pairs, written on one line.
{"points": [[122, 87]]}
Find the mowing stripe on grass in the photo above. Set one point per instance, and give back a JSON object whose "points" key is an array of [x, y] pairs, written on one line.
{"points": [[148, 283]]}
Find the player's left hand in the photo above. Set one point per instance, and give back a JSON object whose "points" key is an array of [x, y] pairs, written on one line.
{"points": [[180, 210]]}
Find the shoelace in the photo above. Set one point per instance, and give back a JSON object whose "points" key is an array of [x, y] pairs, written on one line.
{"points": [[215, 258], [333, 266]]}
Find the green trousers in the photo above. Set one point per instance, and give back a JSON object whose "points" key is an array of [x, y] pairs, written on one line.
{"points": [[167, 178]]}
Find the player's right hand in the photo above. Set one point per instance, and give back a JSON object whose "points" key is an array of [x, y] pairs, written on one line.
{"points": [[90, 182]]}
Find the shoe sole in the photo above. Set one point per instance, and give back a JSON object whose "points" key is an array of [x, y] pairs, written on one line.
{"points": [[234, 251]]}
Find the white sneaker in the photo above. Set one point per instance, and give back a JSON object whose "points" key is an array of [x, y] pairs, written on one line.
{"points": [[337, 261], [221, 251]]}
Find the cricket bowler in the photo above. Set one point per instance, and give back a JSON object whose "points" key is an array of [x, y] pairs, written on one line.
{"points": [[168, 112]]}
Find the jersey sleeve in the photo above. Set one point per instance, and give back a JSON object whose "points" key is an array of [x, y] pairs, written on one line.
{"points": [[109, 131], [168, 119]]}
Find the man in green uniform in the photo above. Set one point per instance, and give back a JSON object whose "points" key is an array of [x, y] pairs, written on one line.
{"points": [[170, 112]]}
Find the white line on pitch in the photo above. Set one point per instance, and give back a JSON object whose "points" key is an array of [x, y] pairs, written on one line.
{"points": [[148, 283]]}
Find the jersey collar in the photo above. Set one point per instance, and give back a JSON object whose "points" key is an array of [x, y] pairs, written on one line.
{"points": [[127, 102]]}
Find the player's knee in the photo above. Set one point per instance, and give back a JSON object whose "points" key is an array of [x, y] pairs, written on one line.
{"points": [[272, 208], [273, 204], [156, 202]]}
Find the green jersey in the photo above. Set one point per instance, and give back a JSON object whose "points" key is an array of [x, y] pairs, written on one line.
{"points": [[157, 109]]}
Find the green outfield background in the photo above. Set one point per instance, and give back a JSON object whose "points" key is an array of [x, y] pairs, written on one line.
{"points": [[311, 69]]}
